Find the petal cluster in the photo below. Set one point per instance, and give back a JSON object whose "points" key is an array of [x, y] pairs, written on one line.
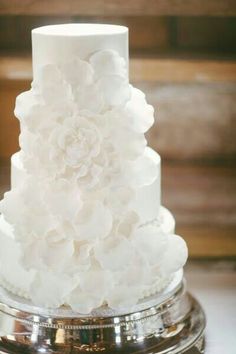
{"points": [[83, 152]]}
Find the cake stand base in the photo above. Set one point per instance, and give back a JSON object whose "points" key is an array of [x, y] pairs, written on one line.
{"points": [[172, 322]]}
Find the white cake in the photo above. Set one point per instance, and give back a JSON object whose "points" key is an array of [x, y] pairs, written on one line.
{"points": [[83, 224]]}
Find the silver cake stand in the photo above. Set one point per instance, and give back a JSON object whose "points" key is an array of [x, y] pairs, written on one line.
{"points": [[171, 322]]}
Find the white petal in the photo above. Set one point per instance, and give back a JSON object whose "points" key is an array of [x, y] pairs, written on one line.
{"points": [[89, 98], [94, 221], [63, 199], [81, 260], [62, 228], [114, 253], [121, 197], [48, 75], [131, 145], [175, 255], [25, 102], [124, 297], [127, 225], [115, 89], [31, 256], [54, 90], [11, 207], [151, 243], [33, 114], [129, 275], [142, 171], [28, 141], [106, 62], [77, 72], [99, 281], [82, 302], [57, 254], [50, 290], [138, 114]]}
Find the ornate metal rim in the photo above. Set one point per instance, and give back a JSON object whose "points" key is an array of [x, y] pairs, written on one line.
{"points": [[147, 314]]}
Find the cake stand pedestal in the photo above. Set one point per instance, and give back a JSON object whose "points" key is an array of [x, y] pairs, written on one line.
{"points": [[171, 322]]}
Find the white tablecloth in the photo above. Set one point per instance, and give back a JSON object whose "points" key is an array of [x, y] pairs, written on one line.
{"points": [[214, 285]]}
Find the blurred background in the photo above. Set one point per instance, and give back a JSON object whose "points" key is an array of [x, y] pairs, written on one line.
{"points": [[182, 54]]}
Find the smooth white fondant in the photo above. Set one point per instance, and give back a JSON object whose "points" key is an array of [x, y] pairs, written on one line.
{"points": [[84, 207], [59, 43], [148, 197]]}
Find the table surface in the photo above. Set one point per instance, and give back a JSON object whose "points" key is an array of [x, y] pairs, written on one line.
{"points": [[214, 285]]}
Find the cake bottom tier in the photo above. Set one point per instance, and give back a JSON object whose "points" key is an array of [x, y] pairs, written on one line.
{"points": [[17, 280], [170, 322]]}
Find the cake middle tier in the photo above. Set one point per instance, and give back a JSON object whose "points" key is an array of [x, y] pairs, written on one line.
{"points": [[148, 197]]}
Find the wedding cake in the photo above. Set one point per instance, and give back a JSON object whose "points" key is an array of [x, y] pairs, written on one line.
{"points": [[83, 225]]}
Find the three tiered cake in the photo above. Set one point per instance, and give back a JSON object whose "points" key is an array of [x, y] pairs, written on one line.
{"points": [[83, 224]]}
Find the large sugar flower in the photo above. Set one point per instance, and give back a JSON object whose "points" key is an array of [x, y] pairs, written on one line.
{"points": [[76, 144], [73, 149]]}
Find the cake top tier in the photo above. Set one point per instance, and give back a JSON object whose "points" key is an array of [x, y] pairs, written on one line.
{"points": [[59, 43]]}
